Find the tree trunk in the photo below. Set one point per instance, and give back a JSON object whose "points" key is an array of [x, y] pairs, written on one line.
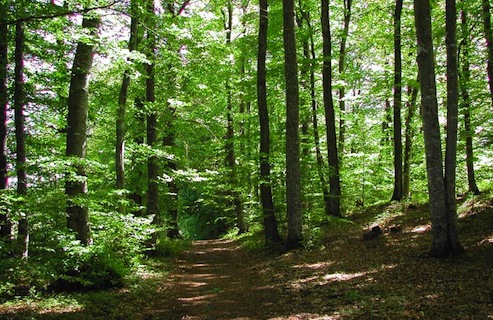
{"points": [[488, 36], [342, 66], [334, 179], [309, 53], [230, 135], [465, 76], [122, 101], [5, 224], [151, 121], [269, 218], [454, 246], [409, 136], [293, 175], [398, 193], [20, 139], [121, 111], [76, 188], [443, 241]]}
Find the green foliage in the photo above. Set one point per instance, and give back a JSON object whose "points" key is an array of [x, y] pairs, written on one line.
{"points": [[169, 248]]}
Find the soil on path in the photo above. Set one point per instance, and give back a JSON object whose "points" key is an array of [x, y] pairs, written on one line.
{"points": [[216, 279]]}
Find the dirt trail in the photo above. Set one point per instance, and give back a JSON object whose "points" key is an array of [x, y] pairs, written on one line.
{"points": [[215, 280]]}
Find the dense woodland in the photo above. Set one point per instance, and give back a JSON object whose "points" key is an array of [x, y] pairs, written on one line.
{"points": [[127, 123]]}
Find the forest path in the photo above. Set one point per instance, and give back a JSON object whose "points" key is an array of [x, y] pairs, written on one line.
{"points": [[217, 279]]}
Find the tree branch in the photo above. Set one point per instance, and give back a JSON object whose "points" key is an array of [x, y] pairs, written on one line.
{"points": [[58, 14]]}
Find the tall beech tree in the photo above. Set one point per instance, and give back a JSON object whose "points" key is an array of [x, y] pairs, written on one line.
{"points": [[5, 225], [269, 217], [76, 183], [334, 178], [230, 134], [398, 192], [444, 233], [151, 118], [20, 139], [341, 69], [465, 77], [293, 171], [122, 102]]}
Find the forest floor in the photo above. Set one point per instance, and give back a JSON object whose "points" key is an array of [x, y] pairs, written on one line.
{"points": [[342, 277]]}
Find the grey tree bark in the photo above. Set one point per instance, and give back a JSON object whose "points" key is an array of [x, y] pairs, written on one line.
{"points": [[293, 174], [444, 236], [76, 185]]}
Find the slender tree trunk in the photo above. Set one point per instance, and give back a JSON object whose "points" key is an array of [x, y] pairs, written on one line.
{"points": [[488, 35], [465, 76], [151, 120], [5, 224], [310, 56], [409, 136], [269, 217], [230, 136], [293, 175], [334, 178], [20, 138], [121, 111], [342, 66], [122, 101], [398, 193], [452, 124], [76, 188], [444, 242]]}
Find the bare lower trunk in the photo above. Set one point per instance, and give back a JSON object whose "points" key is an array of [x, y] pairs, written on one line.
{"points": [[444, 242], [409, 136], [20, 139], [76, 188], [334, 179], [293, 174], [465, 75], [5, 225], [398, 192], [269, 217]]}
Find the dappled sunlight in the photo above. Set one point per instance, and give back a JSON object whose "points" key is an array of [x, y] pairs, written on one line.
{"points": [[421, 228], [314, 266], [487, 240], [343, 276]]}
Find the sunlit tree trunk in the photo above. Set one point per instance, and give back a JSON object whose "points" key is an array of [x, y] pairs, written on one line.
{"points": [[444, 233], [488, 36], [20, 139], [465, 76], [5, 224], [293, 174], [342, 66], [334, 178], [76, 186], [398, 194], [121, 111], [269, 218]]}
